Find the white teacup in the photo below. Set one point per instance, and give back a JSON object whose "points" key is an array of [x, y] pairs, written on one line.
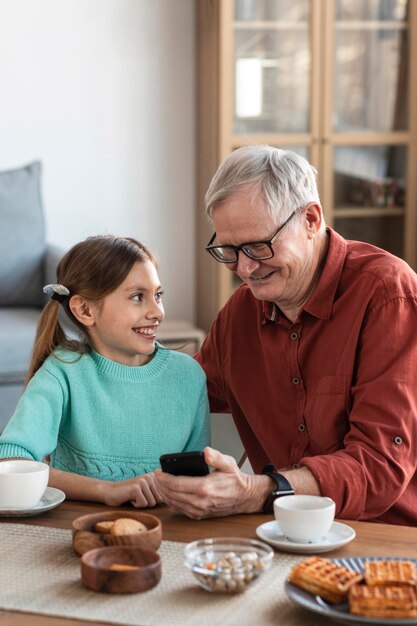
{"points": [[304, 519], [22, 483]]}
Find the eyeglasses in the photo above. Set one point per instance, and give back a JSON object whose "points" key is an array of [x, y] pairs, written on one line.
{"points": [[256, 250]]}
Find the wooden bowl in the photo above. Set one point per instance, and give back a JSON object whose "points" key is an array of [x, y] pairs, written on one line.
{"points": [[85, 537], [142, 569]]}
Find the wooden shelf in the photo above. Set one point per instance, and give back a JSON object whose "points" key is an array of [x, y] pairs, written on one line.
{"points": [[369, 25], [269, 25], [368, 212]]}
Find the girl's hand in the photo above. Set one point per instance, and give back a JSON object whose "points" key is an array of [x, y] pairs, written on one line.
{"points": [[140, 491]]}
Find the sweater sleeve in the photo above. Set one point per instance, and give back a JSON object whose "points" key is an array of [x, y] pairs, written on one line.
{"points": [[33, 429], [201, 435]]}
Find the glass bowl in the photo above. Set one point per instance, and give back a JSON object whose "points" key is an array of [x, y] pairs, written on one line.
{"points": [[227, 564]]}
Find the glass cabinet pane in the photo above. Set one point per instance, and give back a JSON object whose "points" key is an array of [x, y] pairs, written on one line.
{"points": [[386, 232], [390, 10], [370, 66], [271, 9], [303, 151], [369, 176], [272, 67]]}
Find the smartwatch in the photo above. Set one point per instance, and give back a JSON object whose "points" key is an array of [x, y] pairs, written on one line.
{"points": [[282, 487]]}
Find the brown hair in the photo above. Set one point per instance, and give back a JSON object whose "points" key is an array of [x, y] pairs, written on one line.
{"points": [[92, 269]]}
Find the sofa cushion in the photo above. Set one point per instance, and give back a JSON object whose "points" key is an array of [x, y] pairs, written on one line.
{"points": [[22, 237], [17, 334], [10, 395]]}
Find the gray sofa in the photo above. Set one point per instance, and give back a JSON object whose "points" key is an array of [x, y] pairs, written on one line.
{"points": [[27, 262]]}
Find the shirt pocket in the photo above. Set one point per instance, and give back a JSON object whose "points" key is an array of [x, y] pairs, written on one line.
{"points": [[327, 414]]}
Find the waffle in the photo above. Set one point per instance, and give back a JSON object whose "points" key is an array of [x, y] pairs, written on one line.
{"points": [[324, 578], [397, 573], [383, 601]]}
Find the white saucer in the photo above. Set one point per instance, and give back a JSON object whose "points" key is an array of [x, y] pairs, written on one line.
{"points": [[50, 499], [338, 535]]}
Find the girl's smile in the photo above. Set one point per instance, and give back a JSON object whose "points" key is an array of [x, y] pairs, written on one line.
{"points": [[149, 331]]}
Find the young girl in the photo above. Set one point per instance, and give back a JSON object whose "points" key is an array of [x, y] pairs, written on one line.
{"points": [[106, 407]]}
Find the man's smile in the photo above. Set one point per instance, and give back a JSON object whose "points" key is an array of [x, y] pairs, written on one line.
{"points": [[263, 277]]}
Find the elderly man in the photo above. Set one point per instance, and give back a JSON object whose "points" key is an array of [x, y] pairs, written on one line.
{"points": [[315, 355]]}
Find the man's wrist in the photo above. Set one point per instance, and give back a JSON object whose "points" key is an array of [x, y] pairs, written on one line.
{"points": [[282, 487], [259, 488]]}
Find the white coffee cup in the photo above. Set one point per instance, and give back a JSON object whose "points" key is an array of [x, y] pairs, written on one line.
{"points": [[304, 519], [22, 483]]}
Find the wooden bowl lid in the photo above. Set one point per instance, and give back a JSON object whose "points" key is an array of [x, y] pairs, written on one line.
{"points": [[120, 569]]}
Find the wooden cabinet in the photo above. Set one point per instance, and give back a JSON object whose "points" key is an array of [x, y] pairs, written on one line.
{"points": [[333, 80], [180, 335]]}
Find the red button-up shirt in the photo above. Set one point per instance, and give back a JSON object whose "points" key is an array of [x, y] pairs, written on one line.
{"points": [[336, 390]]}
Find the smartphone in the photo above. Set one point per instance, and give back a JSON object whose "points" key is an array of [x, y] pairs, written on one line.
{"points": [[184, 464]]}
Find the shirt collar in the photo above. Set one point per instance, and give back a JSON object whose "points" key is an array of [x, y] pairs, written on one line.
{"points": [[320, 302]]}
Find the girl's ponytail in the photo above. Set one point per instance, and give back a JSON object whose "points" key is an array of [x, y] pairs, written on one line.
{"points": [[49, 335]]}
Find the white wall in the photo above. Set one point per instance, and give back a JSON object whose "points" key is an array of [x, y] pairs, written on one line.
{"points": [[102, 92]]}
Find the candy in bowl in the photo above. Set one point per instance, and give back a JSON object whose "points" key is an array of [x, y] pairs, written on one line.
{"points": [[228, 565]]}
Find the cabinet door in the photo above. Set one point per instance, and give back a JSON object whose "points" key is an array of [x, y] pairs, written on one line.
{"points": [[271, 75], [367, 145], [272, 65], [269, 82]]}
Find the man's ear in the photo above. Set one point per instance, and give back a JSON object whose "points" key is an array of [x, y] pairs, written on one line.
{"points": [[314, 217], [82, 310]]}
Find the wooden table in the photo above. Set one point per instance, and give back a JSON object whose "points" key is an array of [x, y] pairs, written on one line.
{"points": [[371, 540]]}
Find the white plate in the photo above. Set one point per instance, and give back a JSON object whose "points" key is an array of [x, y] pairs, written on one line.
{"points": [[50, 499], [341, 611], [338, 535]]}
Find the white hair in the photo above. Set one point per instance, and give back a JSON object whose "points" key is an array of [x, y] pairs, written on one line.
{"points": [[284, 179]]}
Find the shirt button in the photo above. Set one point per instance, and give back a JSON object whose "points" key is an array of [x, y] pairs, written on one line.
{"points": [[294, 336], [296, 380], [398, 441], [301, 428], [295, 466]]}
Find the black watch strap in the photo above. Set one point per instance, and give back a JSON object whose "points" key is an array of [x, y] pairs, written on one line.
{"points": [[282, 487]]}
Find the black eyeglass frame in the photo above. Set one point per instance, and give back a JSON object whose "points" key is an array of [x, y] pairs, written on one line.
{"points": [[269, 243]]}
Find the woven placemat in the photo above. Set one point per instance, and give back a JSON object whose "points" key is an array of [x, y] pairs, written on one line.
{"points": [[40, 573]]}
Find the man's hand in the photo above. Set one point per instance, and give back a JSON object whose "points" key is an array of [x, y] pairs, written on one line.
{"points": [[225, 491]]}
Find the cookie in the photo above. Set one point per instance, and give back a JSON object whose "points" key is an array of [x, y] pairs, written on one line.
{"points": [[395, 573], [324, 578], [104, 526], [127, 526], [383, 601], [122, 567]]}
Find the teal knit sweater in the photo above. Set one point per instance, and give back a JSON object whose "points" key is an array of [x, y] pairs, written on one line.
{"points": [[101, 419]]}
